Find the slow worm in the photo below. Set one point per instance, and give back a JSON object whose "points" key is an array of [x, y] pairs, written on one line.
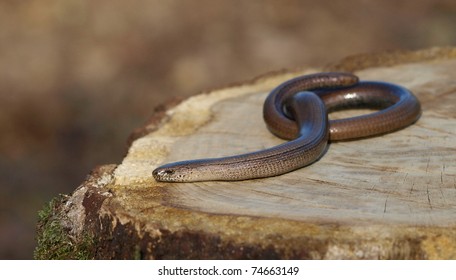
{"points": [[297, 110]]}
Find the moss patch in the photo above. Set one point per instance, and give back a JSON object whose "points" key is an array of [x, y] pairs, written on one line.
{"points": [[54, 241]]}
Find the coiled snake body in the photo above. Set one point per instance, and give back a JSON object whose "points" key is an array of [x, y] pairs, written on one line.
{"points": [[297, 110]]}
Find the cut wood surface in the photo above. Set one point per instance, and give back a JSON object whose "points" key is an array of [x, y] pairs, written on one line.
{"points": [[392, 196]]}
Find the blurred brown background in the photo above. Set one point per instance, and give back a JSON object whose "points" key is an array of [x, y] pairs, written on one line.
{"points": [[77, 76]]}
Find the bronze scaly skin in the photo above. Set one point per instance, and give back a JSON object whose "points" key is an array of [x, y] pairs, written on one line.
{"points": [[292, 112]]}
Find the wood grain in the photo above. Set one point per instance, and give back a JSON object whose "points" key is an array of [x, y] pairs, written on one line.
{"points": [[407, 177]]}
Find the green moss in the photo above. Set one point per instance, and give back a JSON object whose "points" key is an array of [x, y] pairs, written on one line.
{"points": [[137, 253], [53, 241]]}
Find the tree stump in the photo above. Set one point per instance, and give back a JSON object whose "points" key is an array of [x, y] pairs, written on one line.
{"points": [[389, 197]]}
